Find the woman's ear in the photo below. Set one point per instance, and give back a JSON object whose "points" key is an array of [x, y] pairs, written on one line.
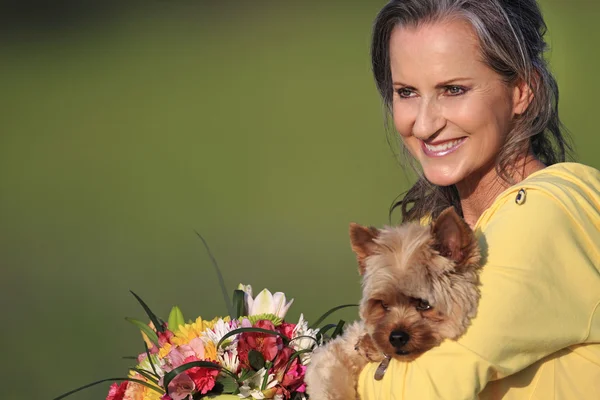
{"points": [[523, 95]]}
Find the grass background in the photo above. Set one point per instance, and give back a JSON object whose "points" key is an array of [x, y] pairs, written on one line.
{"points": [[127, 126]]}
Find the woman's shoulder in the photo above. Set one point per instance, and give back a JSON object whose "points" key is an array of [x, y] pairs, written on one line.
{"points": [[558, 194], [566, 178], [547, 229]]}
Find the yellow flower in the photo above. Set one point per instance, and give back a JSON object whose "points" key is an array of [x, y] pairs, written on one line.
{"points": [[210, 351], [135, 391], [188, 332], [163, 351]]}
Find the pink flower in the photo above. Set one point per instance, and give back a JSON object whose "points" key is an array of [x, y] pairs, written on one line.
{"points": [[294, 379], [282, 361], [197, 345], [181, 387], [164, 337], [117, 391], [291, 379], [246, 323], [203, 378], [176, 357], [286, 329]]}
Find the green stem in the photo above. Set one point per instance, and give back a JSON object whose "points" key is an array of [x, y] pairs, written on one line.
{"points": [[268, 365]]}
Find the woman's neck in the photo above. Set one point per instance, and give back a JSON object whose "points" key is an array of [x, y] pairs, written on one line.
{"points": [[481, 189]]}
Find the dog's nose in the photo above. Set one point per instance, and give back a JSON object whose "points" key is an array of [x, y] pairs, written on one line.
{"points": [[399, 338]]}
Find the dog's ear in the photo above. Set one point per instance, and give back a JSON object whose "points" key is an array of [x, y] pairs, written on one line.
{"points": [[454, 239], [362, 242]]}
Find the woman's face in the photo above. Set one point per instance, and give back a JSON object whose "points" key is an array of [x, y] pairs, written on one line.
{"points": [[451, 110]]}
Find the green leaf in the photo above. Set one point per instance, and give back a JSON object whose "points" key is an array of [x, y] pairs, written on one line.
{"points": [[256, 359], [62, 396], [219, 276], [202, 364], [241, 330], [328, 313], [338, 329], [268, 365], [146, 374], [239, 305], [322, 333], [175, 319], [230, 386], [155, 320], [150, 358], [144, 328], [245, 374], [306, 337]]}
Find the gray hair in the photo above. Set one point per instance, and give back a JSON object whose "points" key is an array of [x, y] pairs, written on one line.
{"points": [[511, 37]]}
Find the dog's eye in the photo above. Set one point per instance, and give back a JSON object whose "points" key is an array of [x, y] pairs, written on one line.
{"points": [[384, 306], [423, 305]]}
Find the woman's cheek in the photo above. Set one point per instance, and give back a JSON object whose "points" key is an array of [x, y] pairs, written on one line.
{"points": [[402, 122]]}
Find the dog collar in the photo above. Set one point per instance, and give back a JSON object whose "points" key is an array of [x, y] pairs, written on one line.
{"points": [[382, 368]]}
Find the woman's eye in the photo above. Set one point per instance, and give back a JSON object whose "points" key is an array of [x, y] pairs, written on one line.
{"points": [[405, 93], [423, 305], [455, 90]]}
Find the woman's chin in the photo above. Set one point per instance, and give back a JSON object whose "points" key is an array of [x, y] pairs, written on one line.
{"points": [[441, 177]]}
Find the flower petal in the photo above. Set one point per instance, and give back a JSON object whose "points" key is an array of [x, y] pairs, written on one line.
{"points": [[263, 304], [281, 307]]}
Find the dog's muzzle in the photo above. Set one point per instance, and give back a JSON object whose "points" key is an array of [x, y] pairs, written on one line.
{"points": [[398, 339]]}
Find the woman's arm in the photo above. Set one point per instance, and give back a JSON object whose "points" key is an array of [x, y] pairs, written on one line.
{"points": [[539, 290]]}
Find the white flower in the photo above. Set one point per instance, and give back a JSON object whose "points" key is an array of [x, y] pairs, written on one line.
{"points": [[220, 329], [229, 360], [252, 385], [265, 302], [246, 288], [159, 364], [306, 339]]}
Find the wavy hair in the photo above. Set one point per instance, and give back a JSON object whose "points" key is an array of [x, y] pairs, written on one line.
{"points": [[511, 37]]}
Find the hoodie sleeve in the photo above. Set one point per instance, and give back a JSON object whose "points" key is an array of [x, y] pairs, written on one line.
{"points": [[540, 288]]}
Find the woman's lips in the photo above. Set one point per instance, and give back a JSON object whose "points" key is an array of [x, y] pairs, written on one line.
{"points": [[441, 149]]}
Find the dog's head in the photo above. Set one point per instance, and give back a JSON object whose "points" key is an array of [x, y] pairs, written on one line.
{"points": [[419, 283]]}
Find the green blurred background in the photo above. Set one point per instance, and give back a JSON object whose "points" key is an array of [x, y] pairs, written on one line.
{"points": [[125, 128]]}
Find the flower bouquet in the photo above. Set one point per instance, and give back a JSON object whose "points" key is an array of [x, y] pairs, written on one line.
{"points": [[253, 353]]}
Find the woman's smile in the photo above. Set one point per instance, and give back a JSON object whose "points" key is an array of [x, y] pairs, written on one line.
{"points": [[441, 148]]}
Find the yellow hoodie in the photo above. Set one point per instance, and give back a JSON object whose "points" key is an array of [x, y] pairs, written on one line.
{"points": [[537, 332]]}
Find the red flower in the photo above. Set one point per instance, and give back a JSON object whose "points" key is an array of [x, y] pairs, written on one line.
{"points": [[282, 361], [267, 344], [204, 378], [164, 337], [290, 378], [117, 391], [286, 329], [294, 379]]}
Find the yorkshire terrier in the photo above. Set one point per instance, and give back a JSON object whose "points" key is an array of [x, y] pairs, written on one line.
{"points": [[420, 286]]}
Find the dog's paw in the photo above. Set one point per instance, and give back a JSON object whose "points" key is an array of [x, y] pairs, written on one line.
{"points": [[367, 349]]}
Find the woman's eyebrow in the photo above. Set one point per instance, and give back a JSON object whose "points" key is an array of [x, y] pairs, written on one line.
{"points": [[439, 85], [451, 81]]}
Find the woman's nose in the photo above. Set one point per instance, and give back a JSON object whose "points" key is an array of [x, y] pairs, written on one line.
{"points": [[429, 120]]}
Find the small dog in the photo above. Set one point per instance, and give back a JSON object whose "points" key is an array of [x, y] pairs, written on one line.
{"points": [[420, 286]]}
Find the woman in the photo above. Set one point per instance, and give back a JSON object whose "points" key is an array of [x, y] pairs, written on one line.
{"points": [[476, 106]]}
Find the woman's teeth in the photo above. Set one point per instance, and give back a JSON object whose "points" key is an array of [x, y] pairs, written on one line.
{"points": [[443, 146]]}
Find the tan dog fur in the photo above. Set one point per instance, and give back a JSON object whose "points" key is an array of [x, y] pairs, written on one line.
{"points": [[400, 267]]}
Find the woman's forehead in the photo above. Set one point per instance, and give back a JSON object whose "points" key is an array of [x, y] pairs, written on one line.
{"points": [[435, 49]]}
